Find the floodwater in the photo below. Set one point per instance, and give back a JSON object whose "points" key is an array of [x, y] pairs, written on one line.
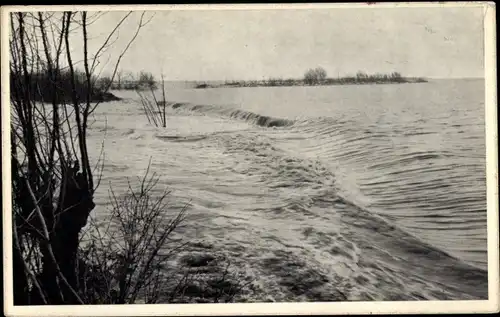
{"points": [[374, 191]]}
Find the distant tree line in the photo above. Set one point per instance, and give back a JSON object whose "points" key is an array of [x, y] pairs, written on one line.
{"points": [[362, 77], [318, 76], [59, 83]]}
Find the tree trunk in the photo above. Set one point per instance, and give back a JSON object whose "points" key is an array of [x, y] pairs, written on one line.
{"points": [[21, 290], [72, 217]]}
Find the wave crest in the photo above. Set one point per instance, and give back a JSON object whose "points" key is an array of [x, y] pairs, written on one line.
{"points": [[254, 118]]}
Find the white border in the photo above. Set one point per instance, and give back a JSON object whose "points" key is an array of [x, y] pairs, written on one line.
{"points": [[331, 308]]}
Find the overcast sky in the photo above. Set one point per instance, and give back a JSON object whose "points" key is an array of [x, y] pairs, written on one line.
{"points": [[256, 44]]}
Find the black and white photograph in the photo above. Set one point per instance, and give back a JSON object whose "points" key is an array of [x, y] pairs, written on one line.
{"points": [[183, 158]]}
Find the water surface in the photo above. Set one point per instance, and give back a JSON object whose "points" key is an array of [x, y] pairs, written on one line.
{"points": [[376, 191]]}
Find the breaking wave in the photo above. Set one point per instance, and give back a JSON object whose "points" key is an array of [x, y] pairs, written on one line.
{"points": [[257, 119]]}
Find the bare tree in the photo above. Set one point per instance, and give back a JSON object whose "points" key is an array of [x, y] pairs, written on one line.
{"points": [[52, 177], [54, 182]]}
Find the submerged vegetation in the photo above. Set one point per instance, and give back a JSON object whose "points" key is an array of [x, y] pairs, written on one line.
{"points": [[154, 109]]}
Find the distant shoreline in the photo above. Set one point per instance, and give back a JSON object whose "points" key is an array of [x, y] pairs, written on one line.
{"points": [[301, 82]]}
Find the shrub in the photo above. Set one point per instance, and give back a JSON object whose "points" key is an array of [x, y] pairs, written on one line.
{"points": [[315, 76], [146, 80], [129, 255], [136, 256]]}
